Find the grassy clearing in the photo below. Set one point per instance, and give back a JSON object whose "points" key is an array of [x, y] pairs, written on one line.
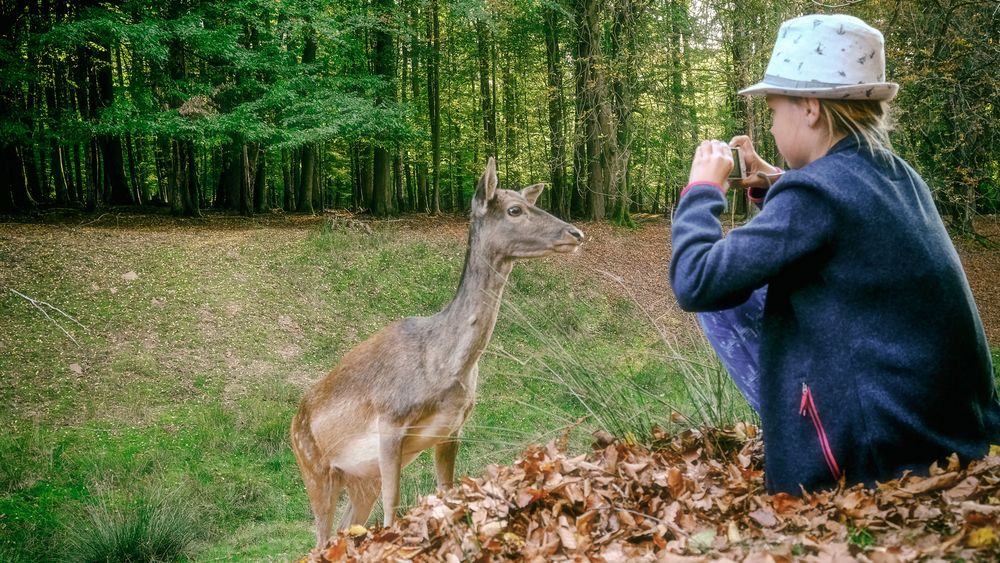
{"points": [[162, 432]]}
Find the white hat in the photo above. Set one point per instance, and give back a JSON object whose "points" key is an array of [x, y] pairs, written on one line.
{"points": [[834, 57]]}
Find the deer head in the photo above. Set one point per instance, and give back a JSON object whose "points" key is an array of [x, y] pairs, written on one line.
{"points": [[509, 225]]}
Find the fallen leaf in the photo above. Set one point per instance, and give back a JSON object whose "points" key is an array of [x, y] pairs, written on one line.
{"points": [[130, 276], [491, 529], [567, 537], [702, 541], [764, 517], [963, 490], [981, 537], [675, 482], [784, 502], [733, 532], [604, 438], [513, 539], [336, 551]]}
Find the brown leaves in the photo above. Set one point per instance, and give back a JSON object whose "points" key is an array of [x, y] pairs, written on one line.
{"points": [[695, 496]]}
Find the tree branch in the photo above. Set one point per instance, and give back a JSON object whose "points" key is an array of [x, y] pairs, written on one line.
{"points": [[38, 305]]}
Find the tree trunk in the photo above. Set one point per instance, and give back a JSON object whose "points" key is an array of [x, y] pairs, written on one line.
{"points": [[58, 166], [117, 192], [246, 180], [319, 188], [434, 101], [397, 181], [384, 67], [76, 190], [13, 189], [227, 191], [260, 200], [623, 46], [594, 108], [307, 176], [485, 97], [29, 156], [305, 191], [286, 181], [84, 178], [404, 195], [191, 188], [366, 161], [184, 186], [557, 148], [420, 201]]}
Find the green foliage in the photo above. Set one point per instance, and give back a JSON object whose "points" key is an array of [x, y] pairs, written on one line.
{"points": [[860, 537], [229, 72], [156, 528], [241, 76]]}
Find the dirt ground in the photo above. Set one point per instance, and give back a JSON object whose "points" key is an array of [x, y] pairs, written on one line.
{"points": [[632, 262]]}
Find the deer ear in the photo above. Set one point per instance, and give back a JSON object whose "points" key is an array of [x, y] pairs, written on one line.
{"points": [[532, 192], [486, 189]]}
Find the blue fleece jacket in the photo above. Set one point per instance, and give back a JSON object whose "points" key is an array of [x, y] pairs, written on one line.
{"points": [[873, 355]]}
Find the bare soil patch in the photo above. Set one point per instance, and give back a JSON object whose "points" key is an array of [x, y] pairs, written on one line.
{"points": [[634, 262], [629, 262]]}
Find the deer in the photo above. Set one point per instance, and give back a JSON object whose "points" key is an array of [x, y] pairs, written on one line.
{"points": [[411, 386]]}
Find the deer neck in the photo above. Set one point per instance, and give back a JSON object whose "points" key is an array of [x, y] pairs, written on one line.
{"points": [[468, 321]]}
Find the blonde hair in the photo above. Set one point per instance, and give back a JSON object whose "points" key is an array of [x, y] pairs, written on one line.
{"points": [[868, 121]]}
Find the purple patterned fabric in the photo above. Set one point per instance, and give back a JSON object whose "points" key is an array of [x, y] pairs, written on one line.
{"points": [[735, 336]]}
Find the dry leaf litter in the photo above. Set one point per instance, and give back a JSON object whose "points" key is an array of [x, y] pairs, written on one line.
{"points": [[694, 496]]}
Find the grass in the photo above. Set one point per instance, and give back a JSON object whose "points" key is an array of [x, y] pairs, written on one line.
{"points": [[161, 432], [155, 528]]}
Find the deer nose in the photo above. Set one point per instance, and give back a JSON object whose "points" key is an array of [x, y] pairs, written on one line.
{"points": [[577, 233]]}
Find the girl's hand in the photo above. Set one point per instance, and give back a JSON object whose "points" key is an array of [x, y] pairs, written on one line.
{"points": [[752, 163], [713, 160]]}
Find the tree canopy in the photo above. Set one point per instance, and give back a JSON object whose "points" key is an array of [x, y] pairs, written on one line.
{"points": [[390, 106]]}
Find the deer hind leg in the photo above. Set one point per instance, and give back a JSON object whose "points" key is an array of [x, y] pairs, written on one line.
{"points": [[444, 461], [363, 495], [324, 490], [323, 483]]}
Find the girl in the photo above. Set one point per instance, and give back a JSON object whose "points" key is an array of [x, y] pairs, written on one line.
{"points": [[845, 313]]}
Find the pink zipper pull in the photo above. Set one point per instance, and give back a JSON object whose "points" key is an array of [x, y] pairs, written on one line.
{"points": [[808, 407]]}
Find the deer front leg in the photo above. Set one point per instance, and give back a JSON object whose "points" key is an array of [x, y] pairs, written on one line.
{"points": [[444, 461], [390, 453], [363, 496]]}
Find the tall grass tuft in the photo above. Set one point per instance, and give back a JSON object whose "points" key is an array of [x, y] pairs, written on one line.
{"points": [[158, 527], [677, 382]]}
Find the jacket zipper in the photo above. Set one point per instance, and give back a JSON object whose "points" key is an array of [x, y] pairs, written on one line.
{"points": [[808, 406]]}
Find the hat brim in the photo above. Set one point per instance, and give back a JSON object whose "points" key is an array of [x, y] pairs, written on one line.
{"points": [[880, 91]]}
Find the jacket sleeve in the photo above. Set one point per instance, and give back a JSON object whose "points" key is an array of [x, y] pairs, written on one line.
{"points": [[709, 272]]}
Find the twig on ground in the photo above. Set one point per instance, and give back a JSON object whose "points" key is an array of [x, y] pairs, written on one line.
{"points": [[38, 305], [99, 217]]}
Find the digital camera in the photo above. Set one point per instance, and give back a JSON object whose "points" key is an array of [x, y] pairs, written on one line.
{"points": [[738, 169]]}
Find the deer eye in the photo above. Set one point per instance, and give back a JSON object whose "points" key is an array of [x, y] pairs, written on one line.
{"points": [[514, 211]]}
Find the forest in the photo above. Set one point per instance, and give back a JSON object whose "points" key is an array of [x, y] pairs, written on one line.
{"points": [[205, 203], [393, 106]]}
